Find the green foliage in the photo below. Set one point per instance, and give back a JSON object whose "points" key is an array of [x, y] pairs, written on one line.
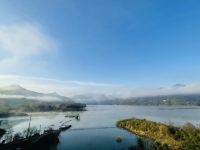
{"points": [[159, 146], [165, 137]]}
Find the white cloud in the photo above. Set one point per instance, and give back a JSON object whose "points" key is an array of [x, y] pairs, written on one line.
{"points": [[72, 88], [24, 40], [67, 88]]}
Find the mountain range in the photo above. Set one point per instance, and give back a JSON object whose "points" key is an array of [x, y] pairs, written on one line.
{"points": [[171, 99], [18, 92], [176, 99]]}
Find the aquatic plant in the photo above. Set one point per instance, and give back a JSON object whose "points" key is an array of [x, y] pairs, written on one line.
{"points": [[118, 139]]}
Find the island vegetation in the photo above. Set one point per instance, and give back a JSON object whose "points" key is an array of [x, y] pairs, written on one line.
{"points": [[164, 136], [19, 107]]}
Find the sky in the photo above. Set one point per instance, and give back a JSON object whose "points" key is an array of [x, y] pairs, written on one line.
{"points": [[130, 44]]}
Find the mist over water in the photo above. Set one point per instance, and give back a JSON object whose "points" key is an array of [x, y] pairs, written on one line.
{"points": [[96, 127]]}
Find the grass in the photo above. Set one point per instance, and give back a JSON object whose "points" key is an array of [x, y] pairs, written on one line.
{"points": [[186, 137]]}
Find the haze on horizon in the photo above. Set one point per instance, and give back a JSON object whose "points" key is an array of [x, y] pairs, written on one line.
{"points": [[130, 48]]}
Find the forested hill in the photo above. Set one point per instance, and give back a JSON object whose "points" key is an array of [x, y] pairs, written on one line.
{"points": [[183, 99], [15, 99]]}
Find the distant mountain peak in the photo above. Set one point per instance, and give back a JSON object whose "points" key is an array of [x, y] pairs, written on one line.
{"points": [[16, 90], [14, 87]]}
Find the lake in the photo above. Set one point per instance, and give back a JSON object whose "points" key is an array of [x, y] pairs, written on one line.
{"points": [[96, 127]]}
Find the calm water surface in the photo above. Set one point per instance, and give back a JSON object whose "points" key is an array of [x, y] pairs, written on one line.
{"points": [[96, 127]]}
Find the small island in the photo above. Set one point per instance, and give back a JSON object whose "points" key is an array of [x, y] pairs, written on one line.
{"points": [[186, 137]]}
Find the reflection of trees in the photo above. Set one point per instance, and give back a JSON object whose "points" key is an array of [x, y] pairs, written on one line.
{"points": [[143, 144]]}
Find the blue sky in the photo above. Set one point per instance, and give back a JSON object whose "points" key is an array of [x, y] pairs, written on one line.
{"points": [[136, 43]]}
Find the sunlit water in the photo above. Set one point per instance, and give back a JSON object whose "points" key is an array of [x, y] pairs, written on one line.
{"points": [[96, 127]]}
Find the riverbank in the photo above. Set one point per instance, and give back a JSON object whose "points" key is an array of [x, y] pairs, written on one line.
{"points": [[185, 137]]}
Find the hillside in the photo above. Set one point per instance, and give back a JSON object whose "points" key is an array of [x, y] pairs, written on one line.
{"points": [[181, 99], [15, 99], [18, 92]]}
